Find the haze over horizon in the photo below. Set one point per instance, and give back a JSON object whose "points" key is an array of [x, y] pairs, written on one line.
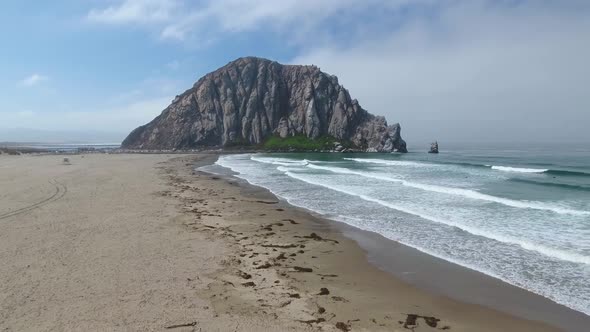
{"points": [[477, 71]]}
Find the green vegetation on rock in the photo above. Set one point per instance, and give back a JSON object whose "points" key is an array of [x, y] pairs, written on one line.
{"points": [[300, 143]]}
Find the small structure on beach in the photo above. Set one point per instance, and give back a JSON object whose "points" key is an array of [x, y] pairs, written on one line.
{"points": [[66, 161], [433, 147]]}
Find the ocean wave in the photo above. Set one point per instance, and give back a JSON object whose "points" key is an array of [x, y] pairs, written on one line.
{"points": [[551, 184], [572, 297], [541, 249], [391, 162], [457, 192], [517, 169], [567, 173], [465, 164], [279, 161], [537, 170]]}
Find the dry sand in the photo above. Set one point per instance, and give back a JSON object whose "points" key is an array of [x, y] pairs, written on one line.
{"points": [[144, 243]]}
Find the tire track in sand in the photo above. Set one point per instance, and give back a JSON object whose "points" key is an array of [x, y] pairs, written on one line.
{"points": [[60, 191]]}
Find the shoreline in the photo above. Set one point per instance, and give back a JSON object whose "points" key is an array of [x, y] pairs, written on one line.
{"points": [[454, 281], [145, 242], [462, 283]]}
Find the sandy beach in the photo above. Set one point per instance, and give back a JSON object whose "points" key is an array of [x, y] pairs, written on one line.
{"points": [[143, 242]]}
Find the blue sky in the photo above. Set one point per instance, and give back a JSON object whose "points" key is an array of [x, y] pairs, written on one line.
{"points": [[445, 69]]}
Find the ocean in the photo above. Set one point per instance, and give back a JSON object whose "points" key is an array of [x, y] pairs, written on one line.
{"points": [[520, 214]]}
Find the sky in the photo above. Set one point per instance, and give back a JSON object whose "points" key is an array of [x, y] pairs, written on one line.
{"points": [[447, 70]]}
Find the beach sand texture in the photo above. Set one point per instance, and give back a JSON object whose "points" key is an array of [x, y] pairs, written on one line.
{"points": [[145, 243]]}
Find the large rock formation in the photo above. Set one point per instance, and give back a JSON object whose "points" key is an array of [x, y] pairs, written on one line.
{"points": [[251, 99]]}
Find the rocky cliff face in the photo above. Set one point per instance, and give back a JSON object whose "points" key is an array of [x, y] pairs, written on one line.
{"points": [[251, 99]]}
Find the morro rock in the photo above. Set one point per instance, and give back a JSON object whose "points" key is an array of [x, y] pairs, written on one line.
{"points": [[251, 99]]}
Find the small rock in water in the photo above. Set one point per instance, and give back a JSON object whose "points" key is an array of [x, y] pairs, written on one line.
{"points": [[433, 148]]}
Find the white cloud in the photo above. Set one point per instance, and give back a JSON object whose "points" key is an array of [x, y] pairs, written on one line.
{"points": [[180, 19], [173, 32], [135, 11], [474, 72], [33, 80]]}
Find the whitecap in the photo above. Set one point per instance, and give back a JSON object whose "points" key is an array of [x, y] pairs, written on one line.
{"points": [[518, 169], [468, 193]]}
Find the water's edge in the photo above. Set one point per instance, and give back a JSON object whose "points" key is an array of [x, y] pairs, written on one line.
{"points": [[452, 280]]}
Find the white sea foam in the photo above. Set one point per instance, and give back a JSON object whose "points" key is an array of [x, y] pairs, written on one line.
{"points": [[471, 194], [550, 272], [391, 162], [279, 161], [550, 252], [418, 164], [517, 169]]}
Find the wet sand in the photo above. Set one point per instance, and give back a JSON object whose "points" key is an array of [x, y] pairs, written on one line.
{"points": [[144, 242], [460, 283]]}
